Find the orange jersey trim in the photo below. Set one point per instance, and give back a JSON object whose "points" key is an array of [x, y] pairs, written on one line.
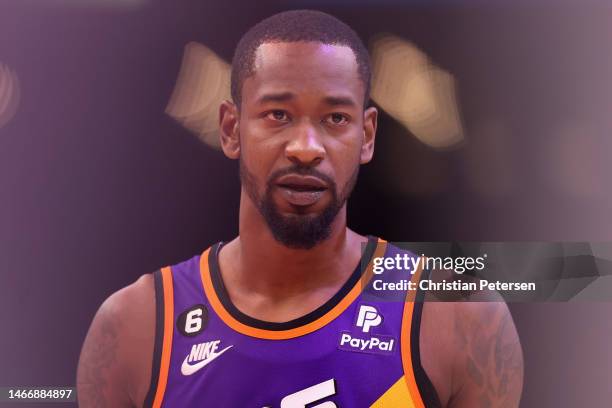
{"points": [[242, 328], [406, 344], [167, 339]]}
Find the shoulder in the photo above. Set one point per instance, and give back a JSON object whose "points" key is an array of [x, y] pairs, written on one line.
{"points": [[126, 300], [116, 358]]}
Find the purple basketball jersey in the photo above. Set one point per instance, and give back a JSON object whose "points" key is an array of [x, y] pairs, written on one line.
{"points": [[359, 349]]}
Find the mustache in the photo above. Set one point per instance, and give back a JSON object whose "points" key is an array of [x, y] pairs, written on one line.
{"points": [[301, 171]]}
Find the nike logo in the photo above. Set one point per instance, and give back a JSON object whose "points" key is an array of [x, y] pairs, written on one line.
{"points": [[205, 353]]}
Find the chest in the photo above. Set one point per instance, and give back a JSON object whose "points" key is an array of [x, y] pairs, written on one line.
{"points": [[354, 358]]}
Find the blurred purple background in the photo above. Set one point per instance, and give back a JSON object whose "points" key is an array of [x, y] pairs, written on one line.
{"points": [[98, 185]]}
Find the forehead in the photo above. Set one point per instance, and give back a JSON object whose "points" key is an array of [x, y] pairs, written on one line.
{"points": [[304, 68]]}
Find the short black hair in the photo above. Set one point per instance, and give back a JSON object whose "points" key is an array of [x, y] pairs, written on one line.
{"points": [[296, 26]]}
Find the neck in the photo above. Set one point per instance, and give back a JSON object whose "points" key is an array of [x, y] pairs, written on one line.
{"points": [[258, 263]]}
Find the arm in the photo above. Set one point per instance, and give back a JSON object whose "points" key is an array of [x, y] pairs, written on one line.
{"points": [[488, 363], [115, 364]]}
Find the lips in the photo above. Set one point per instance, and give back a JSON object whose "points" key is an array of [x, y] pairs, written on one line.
{"points": [[301, 190]]}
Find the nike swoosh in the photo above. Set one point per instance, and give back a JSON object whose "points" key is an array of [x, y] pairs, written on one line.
{"points": [[188, 369]]}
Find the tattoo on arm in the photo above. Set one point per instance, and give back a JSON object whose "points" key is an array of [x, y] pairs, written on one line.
{"points": [[492, 357], [98, 357]]}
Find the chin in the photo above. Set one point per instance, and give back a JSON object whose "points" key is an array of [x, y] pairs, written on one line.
{"points": [[300, 214]]}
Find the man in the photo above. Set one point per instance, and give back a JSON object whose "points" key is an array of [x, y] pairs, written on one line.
{"points": [[283, 316]]}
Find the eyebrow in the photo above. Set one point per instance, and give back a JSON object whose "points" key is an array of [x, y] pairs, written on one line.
{"points": [[276, 97], [288, 96], [340, 101]]}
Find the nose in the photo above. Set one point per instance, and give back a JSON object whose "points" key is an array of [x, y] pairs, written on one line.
{"points": [[305, 147]]}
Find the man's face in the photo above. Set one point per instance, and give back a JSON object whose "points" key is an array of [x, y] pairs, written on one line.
{"points": [[301, 135]]}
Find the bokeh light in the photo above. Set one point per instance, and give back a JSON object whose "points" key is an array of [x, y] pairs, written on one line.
{"points": [[9, 94], [203, 83], [415, 92]]}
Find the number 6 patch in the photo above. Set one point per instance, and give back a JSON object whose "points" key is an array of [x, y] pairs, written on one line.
{"points": [[192, 321]]}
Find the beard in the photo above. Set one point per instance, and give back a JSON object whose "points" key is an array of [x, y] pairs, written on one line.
{"points": [[300, 230]]}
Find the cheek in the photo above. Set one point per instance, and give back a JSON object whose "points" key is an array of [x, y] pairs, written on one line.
{"points": [[258, 152], [255, 136], [344, 157]]}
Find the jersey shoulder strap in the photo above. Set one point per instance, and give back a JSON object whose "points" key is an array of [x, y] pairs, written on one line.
{"points": [[167, 280]]}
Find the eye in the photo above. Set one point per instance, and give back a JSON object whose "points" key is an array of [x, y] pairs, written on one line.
{"points": [[278, 115], [337, 119]]}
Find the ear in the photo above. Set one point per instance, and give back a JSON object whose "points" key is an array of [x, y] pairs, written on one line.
{"points": [[228, 129], [370, 118]]}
